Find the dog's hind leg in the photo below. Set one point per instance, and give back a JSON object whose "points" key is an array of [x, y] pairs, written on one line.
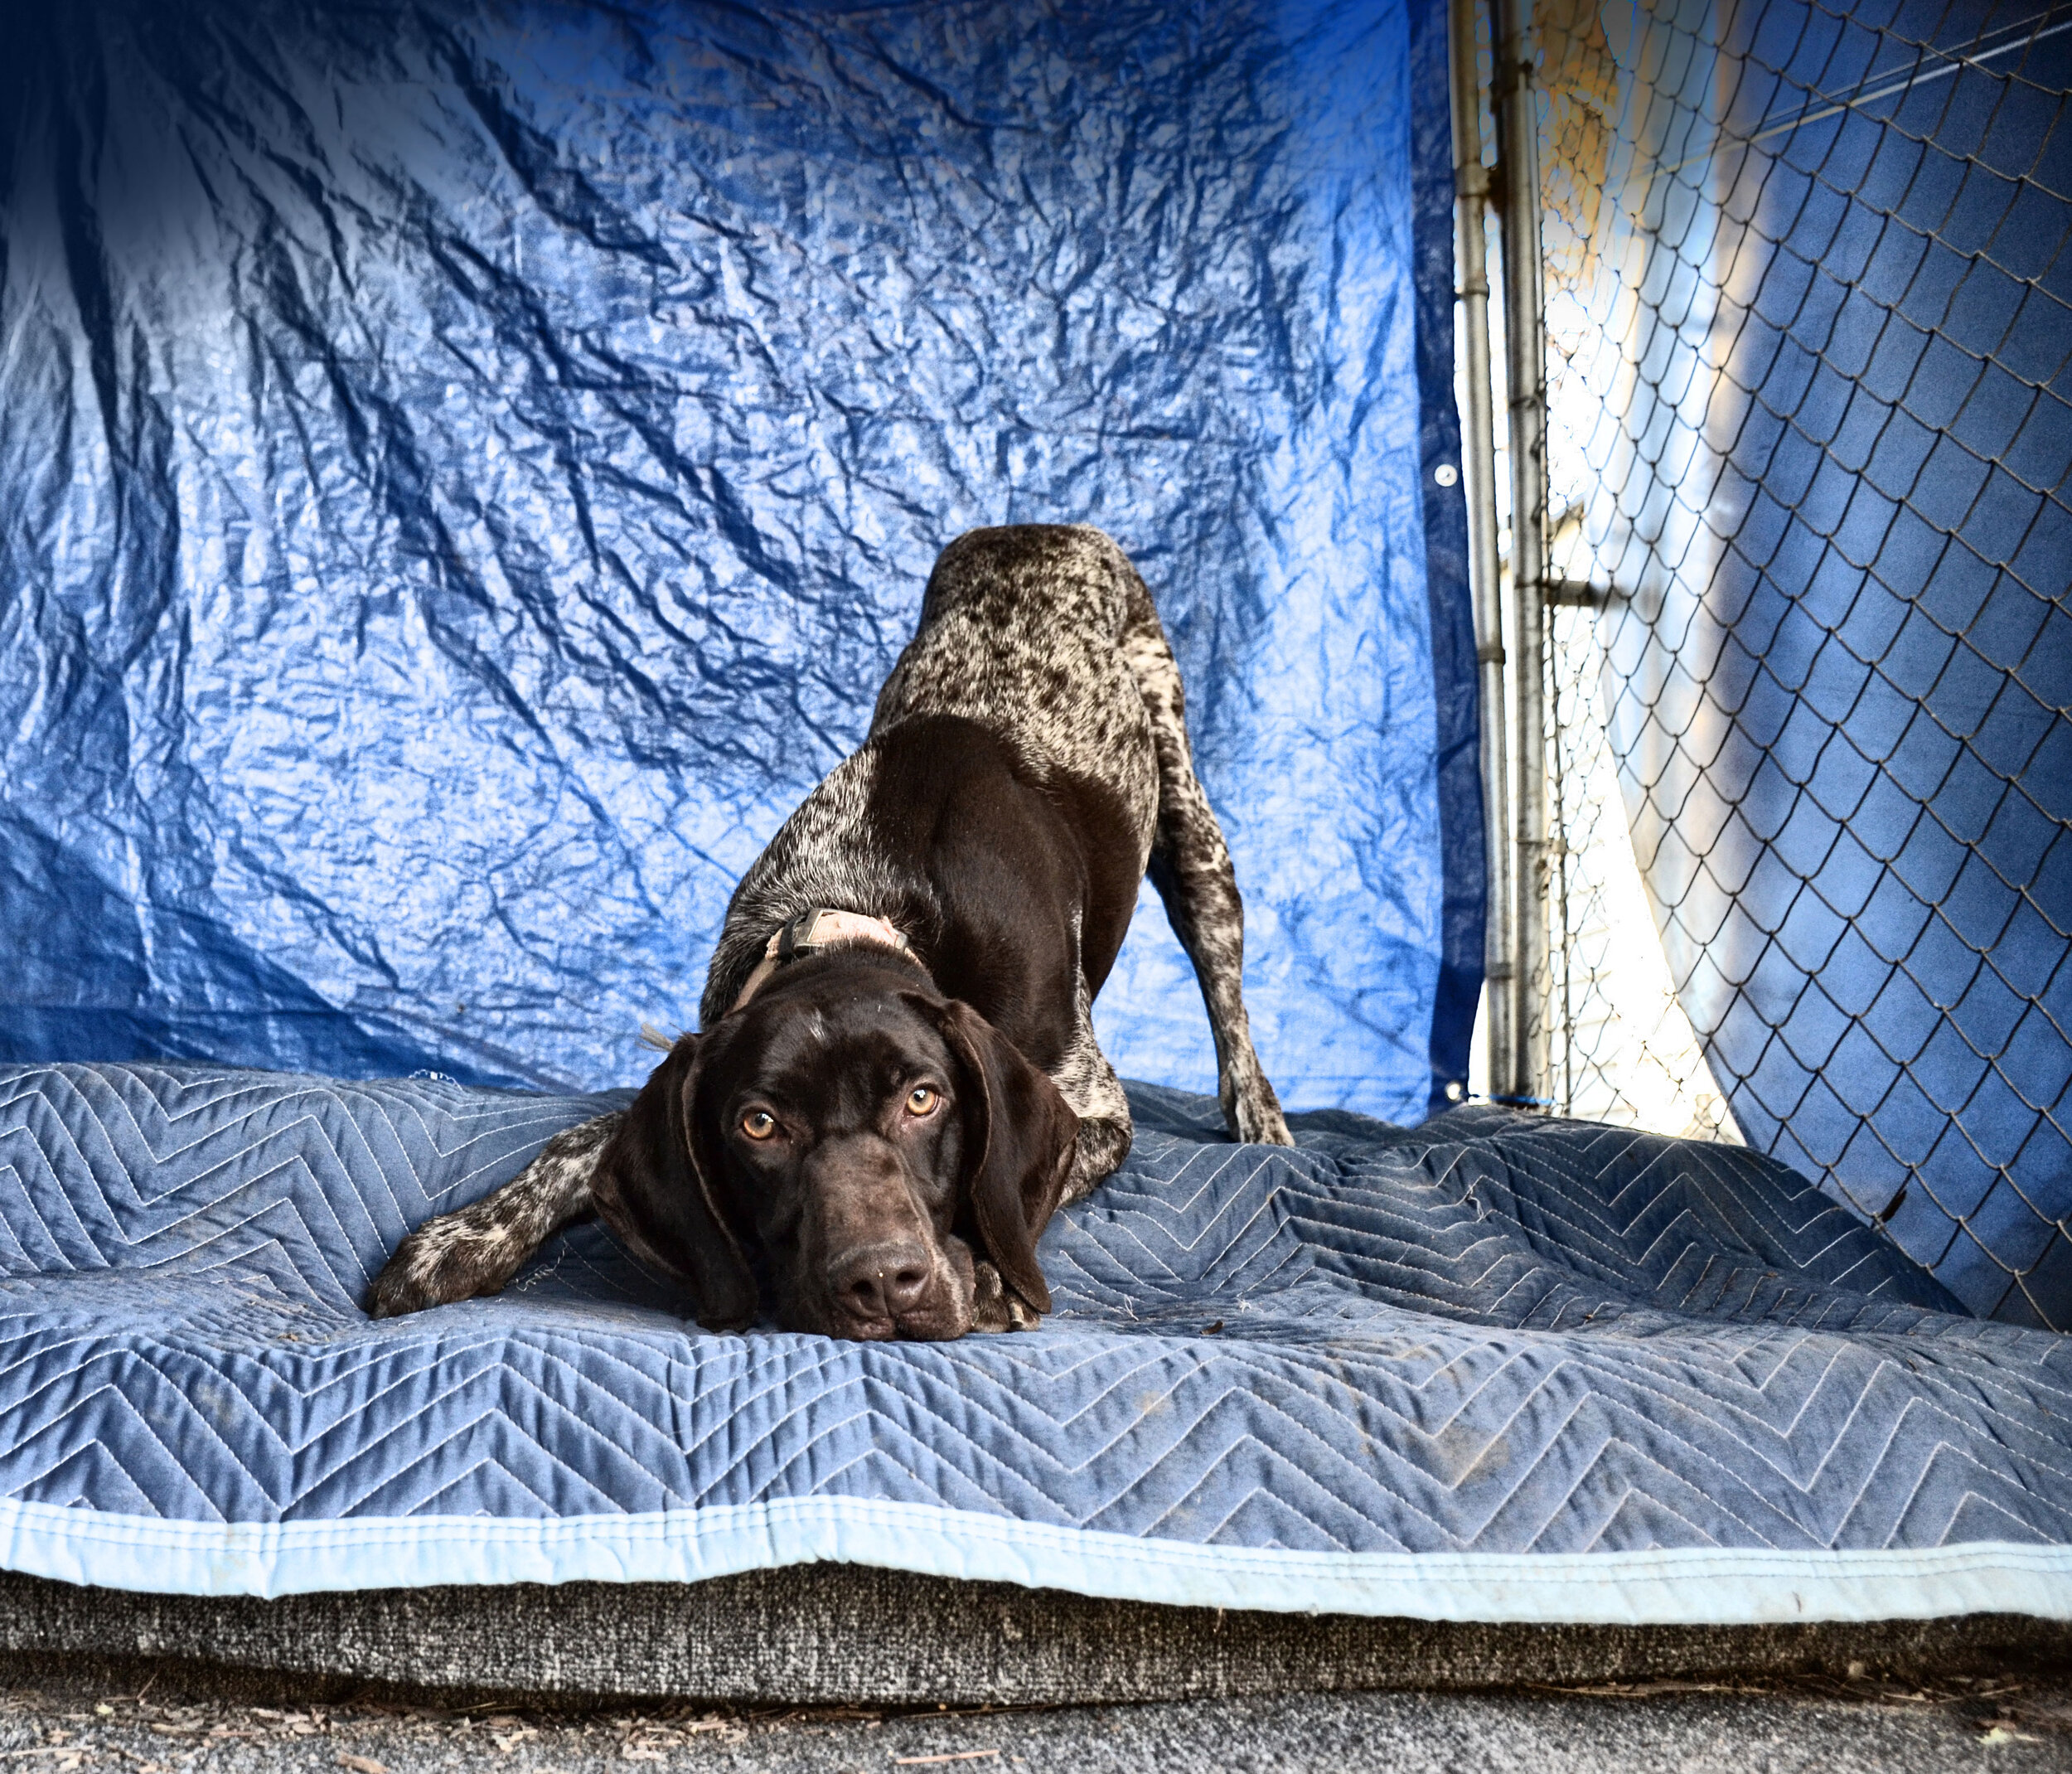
{"points": [[477, 1249], [1190, 867]]}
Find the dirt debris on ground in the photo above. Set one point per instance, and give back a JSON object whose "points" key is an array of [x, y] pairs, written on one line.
{"points": [[1830, 1726]]}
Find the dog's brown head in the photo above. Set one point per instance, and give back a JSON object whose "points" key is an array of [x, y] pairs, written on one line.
{"points": [[851, 1140]]}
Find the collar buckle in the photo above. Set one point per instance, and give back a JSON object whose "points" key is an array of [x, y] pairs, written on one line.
{"points": [[822, 927]]}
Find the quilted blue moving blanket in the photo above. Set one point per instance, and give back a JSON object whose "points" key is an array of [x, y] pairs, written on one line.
{"points": [[1494, 1368]]}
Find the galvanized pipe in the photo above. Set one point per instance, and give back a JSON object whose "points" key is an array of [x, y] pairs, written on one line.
{"points": [[1525, 364], [1479, 483]]}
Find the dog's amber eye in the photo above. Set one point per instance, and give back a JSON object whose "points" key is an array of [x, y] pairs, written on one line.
{"points": [[758, 1124], [921, 1100]]}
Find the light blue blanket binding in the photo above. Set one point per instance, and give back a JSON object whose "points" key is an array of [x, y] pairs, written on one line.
{"points": [[1493, 1368]]}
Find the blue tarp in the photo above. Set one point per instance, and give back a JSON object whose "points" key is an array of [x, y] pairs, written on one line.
{"points": [[467, 469], [1496, 1367]]}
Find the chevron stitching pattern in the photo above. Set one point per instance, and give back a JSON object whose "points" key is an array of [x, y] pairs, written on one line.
{"points": [[1489, 1334]]}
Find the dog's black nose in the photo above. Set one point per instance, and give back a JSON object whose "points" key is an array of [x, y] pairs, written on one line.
{"points": [[882, 1282]]}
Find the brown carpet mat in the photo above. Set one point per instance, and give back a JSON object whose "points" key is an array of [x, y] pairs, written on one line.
{"points": [[825, 1633]]}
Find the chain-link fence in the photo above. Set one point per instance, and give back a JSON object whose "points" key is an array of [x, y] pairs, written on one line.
{"points": [[1803, 567]]}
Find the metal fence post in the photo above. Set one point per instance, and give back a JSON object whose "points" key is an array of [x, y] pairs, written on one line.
{"points": [[1525, 362], [1478, 483]]}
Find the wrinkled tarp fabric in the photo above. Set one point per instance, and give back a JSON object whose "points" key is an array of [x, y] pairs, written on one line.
{"points": [[467, 469], [1495, 1366]]}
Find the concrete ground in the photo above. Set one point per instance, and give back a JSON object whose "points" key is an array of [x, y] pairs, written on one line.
{"points": [[1834, 1728]]}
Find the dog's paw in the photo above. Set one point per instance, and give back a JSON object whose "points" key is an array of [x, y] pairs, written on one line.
{"points": [[1263, 1124], [994, 1307], [988, 1300], [455, 1257], [1252, 1112], [403, 1286]]}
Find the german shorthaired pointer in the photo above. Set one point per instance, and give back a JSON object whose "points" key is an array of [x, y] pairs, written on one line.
{"points": [[897, 1082]]}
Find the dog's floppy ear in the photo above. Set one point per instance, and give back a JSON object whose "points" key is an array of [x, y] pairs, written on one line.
{"points": [[655, 1188], [1019, 1137]]}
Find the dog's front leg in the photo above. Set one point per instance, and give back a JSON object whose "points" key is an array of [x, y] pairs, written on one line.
{"points": [[1100, 1145], [1093, 1092], [477, 1249]]}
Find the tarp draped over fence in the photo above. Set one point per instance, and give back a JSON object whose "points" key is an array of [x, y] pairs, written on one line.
{"points": [[1819, 314], [466, 469]]}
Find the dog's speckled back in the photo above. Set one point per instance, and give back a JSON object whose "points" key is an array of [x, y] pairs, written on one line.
{"points": [[1041, 634], [1023, 631]]}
